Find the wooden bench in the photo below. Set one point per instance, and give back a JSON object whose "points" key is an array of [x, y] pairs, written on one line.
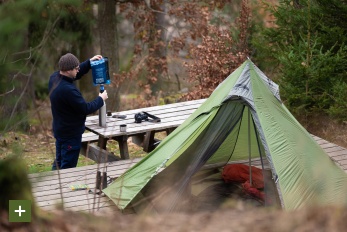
{"points": [[88, 138], [93, 151]]}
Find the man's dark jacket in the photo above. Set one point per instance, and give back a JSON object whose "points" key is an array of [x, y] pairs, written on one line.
{"points": [[69, 109]]}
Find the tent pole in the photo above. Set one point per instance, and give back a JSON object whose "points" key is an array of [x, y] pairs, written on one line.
{"points": [[249, 148]]}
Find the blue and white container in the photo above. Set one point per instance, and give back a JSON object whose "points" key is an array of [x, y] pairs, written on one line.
{"points": [[100, 71]]}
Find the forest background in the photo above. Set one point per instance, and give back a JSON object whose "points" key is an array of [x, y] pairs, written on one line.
{"points": [[164, 51]]}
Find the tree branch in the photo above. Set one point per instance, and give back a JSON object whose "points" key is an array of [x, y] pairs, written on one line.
{"points": [[8, 92]]}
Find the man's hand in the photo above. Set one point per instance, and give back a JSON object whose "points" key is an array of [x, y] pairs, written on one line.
{"points": [[96, 57], [103, 95]]}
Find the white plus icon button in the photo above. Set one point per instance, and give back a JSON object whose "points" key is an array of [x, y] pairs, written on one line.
{"points": [[20, 211]]}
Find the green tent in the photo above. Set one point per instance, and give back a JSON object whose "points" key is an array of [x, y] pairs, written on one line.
{"points": [[243, 120]]}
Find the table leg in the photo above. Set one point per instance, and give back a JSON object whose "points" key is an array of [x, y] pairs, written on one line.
{"points": [[148, 142], [102, 142], [123, 146]]}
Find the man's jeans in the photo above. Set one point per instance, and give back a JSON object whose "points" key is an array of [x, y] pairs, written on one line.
{"points": [[67, 152]]}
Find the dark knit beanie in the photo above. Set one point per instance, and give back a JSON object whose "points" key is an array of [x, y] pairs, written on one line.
{"points": [[68, 62]]}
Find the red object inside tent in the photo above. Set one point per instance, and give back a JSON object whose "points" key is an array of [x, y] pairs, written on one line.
{"points": [[241, 173]]}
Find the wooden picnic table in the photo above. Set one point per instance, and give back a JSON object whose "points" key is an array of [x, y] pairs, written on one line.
{"points": [[143, 134]]}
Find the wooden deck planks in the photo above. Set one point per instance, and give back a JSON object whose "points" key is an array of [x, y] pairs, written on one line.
{"points": [[49, 190], [336, 153]]}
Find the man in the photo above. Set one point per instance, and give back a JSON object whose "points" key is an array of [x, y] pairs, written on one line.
{"points": [[69, 109]]}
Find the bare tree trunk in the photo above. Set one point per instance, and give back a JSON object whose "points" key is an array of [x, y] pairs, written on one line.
{"points": [[107, 25], [87, 50], [158, 44]]}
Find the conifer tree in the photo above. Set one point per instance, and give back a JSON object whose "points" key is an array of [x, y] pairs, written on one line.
{"points": [[307, 48]]}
